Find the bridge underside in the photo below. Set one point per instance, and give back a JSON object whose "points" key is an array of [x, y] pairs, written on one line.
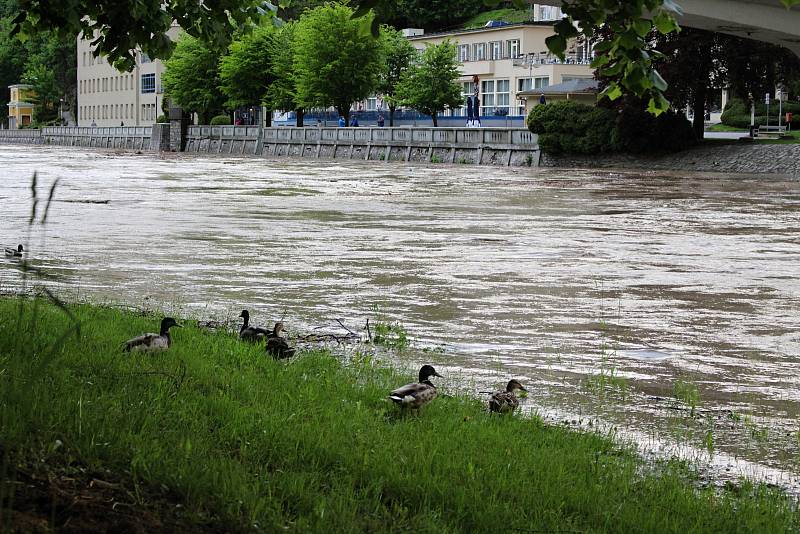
{"points": [[762, 20]]}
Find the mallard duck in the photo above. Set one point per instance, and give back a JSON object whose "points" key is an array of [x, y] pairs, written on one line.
{"points": [[416, 394], [251, 333], [278, 347], [506, 401], [15, 252], [153, 342]]}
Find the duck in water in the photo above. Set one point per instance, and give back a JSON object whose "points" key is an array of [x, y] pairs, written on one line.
{"points": [[278, 347], [15, 252], [153, 342], [416, 394], [506, 401]]}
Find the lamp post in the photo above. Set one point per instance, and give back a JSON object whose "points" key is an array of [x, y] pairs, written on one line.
{"points": [[61, 110]]}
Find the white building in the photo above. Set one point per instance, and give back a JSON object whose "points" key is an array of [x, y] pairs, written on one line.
{"points": [[510, 58], [108, 97]]}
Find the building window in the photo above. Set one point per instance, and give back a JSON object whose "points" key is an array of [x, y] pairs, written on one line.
{"points": [[148, 83], [479, 51], [513, 48], [501, 100], [463, 53], [487, 95], [529, 84], [496, 50], [526, 84], [495, 95]]}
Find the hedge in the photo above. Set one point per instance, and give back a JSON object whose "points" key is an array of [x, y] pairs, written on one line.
{"points": [[572, 128], [220, 120]]}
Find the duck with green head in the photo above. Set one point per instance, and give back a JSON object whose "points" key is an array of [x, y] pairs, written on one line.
{"points": [[278, 347], [506, 401], [15, 252], [416, 394], [153, 342], [251, 333]]}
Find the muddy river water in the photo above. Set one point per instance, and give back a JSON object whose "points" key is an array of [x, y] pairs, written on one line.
{"points": [[622, 300]]}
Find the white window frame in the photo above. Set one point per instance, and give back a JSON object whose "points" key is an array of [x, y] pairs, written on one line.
{"points": [[512, 45], [463, 53]]}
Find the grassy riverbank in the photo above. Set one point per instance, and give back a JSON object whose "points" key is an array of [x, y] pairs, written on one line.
{"points": [[213, 434]]}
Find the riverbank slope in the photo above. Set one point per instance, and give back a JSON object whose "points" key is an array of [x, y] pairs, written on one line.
{"points": [[212, 434]]}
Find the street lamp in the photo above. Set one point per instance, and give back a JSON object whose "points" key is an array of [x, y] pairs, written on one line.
{"points": [[61, 110]]}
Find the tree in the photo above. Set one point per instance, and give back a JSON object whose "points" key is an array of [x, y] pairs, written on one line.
{"points": [[692, 65], [120, 27], [245, 71], [398, 53], [191, 79], [429, 84], [336, 62], [51, 68], [282, 93]]}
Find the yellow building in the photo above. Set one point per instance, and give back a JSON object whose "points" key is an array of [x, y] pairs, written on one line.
{"points": [[20, 108]]}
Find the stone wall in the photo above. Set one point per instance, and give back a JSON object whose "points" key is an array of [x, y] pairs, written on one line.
{"points": [[485, 146], [23, 136], [737, 157]]}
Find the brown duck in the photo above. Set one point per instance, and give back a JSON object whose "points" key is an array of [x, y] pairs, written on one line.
{"points": [[506, 401], [278, 347]]}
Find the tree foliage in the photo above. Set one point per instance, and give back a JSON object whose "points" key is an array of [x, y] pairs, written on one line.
{"points": [[433, 16], [573, 128], [245, 71], [282, 93], [336, 62], [428, 85], [398, 53], [46, 60], [191, 79], [120, 27]]}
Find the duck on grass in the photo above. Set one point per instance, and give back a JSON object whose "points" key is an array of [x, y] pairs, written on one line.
{"points": [[245, 443]]}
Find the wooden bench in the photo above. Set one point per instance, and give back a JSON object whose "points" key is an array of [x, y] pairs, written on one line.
{"points": [[770, 132]]}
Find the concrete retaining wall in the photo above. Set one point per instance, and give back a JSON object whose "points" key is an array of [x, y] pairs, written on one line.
{"points": [[21, 137], [486, 146], [125, 137]]}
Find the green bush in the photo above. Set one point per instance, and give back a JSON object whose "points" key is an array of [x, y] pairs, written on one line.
{"points": [[569, 127], [220, 120], [737, 112], [639, 132], [161, 119]]}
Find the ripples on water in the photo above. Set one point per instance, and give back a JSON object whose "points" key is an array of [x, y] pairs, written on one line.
{"points": [[552, 277]]}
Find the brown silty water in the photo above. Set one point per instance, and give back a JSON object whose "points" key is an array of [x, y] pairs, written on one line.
{"points": [[619, 299]]}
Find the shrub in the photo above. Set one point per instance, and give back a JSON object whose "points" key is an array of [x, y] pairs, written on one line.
{"points": [[638, 132], [569, 127], [737, 112], [161, 119], [220, 120]]}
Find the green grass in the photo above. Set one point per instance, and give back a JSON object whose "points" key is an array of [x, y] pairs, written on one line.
{"points": [[793, 136], [504, 15], [312, 444], [719, 127]]}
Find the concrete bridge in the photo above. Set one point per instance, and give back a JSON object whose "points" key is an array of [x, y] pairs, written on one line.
{"points": [[762, 20]]}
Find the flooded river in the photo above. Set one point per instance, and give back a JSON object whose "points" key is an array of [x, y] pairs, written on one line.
{"points": [[620, 300]]}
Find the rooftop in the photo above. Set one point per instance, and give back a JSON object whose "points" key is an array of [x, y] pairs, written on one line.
{"points": [[545, 24], [579, 85]]}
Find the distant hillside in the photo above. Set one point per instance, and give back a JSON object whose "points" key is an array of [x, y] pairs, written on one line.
{"points": [[504, 15]]}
